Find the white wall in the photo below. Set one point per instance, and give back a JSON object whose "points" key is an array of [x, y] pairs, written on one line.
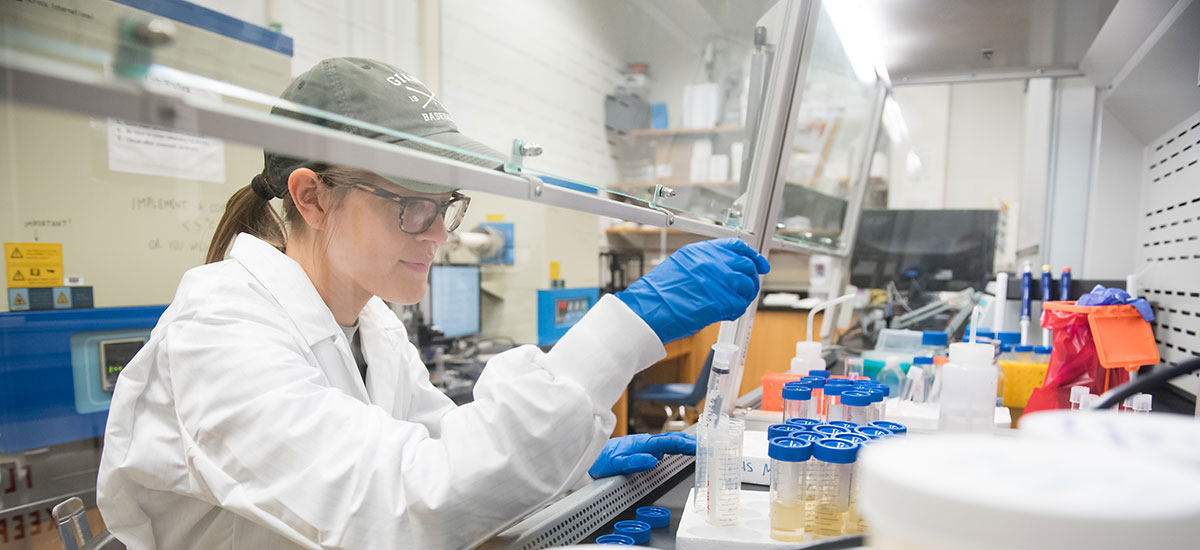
{"points": [[984, 146], [1110, 246], [381, 29]]}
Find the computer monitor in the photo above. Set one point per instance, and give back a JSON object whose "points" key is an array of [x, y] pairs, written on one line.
{"points": [[941, 249], [454, 299]]}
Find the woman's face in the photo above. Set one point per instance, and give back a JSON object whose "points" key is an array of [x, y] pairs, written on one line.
{"points": [[369, 249]]}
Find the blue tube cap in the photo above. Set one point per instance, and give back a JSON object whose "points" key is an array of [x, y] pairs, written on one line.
{"points": [[837, 389], [789, 449], [622, 540], [1010, 338], [923, 360], [655, 516], [854, 437], [796, 392], [844, 423], [873, 432], [836, 451], [856, 398], [829, 430], [821, 373], [1005, 348], [894, 427], [813, 381], [803, 422], [782, 430], [839, 382], [1042, 350], [935, 338], [1023, 349], [639, 531], [808, 435]]}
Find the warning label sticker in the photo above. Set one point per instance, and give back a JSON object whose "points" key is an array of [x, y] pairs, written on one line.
{"points": [[33, 264]]}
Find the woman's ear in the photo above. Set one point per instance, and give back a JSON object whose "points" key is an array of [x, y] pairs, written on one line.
{"points": [[309, 196]]}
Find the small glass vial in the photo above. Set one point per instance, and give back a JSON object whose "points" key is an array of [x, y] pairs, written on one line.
{"points": [[834, 458], [797, 401], [854, 368], [789, 466]]}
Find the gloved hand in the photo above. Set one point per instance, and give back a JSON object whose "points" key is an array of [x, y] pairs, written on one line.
{"points": [[639, 452], [698, 285], [1100, 296]]}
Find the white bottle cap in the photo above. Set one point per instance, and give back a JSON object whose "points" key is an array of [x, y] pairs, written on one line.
{"points": [[966, 353], [1079, 394], [1093, 399], [809, 350], [1142, 402]]}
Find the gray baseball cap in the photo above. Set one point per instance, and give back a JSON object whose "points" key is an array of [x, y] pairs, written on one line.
{"points": [[378, 93]]}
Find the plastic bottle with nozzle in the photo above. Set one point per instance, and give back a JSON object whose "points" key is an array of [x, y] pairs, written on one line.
{"points": [[968, 388]]}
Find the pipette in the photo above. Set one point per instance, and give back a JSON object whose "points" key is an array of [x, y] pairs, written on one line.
{"points": [[1064, 284], [1047, 295], [1001, 300], [1026, 283]]}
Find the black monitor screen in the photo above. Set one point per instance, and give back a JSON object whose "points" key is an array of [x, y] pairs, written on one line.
{"points": [[940, 249]]}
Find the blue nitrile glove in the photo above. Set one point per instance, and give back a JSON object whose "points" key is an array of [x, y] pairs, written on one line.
{"points": [[639, 452], [698, 285], [1100, 296]]}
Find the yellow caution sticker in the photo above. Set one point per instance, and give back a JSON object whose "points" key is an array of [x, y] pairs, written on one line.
{"points": [[19, 300], [62, 298], [33, 265]]}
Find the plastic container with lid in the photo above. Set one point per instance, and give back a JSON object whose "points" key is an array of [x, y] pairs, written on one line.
{"points": [[1007, 353], [979, 492], [968, 388], [1024, 353], [835, 464], [797, 401], [930, 370], [856, 406], [656, 517], [935, 342], [833, 405], [1041, 354], [789, 473]]}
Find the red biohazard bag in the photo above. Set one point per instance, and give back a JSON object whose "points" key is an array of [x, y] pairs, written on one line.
{"points": [[1094, 346]]}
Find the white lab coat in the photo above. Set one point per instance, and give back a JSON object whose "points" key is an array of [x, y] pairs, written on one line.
{"points": [[245, 424]]}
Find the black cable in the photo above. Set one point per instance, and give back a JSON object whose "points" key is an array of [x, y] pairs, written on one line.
{"points": [[1151, 381], [840, 543]]}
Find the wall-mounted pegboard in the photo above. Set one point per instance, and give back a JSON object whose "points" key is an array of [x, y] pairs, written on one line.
{"points": [[1169, 243]]}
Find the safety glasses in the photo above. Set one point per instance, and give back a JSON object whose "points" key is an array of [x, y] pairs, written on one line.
{"points": [[417, 214]]}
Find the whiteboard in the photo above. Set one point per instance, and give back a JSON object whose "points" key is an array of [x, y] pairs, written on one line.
{"points": [[129, 235]]}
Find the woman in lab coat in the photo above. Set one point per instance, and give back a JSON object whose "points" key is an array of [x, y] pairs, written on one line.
{"points": [[279, 403]]}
